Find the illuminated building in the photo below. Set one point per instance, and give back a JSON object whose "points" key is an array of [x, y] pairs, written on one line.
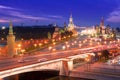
{"points": [[11, 41], [56, 34], [104, 32], [71, 24]]}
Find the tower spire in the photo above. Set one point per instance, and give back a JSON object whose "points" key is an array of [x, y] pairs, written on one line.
{"points": [[71, 24], [10, 28], [71, 15], [102, 23]]}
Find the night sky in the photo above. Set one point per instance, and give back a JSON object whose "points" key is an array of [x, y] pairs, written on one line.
{"points": [[44, 12]]}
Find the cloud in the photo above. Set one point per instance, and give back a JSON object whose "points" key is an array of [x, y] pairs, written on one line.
{"points": [[55, 16], [114, 16], [6, 20], [14, 13], [3, 21], [21, 15], [5, 7]]}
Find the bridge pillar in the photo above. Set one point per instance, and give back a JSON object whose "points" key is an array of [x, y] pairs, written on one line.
{"points": [[70, 64], [65, 67]]}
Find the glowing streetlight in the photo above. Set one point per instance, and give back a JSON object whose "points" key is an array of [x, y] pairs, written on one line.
{"points": [[98, 43], [50, 48], [19, 45], [75, 42], [72, 43], [68, 46], [2, 39], [59, 38], [53, 40], [63, 47], [45, 42], [53, 49], [80, 45], [40, 44], [68, 36], [54, 43], [105, 42], [35, 45], [66, 42], [3, 27]]}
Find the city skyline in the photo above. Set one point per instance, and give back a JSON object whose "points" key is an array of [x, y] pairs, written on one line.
{"points": [[44, 12]]}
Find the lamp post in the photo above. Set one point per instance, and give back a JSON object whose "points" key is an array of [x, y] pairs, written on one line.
{"points": [[63, 47]]}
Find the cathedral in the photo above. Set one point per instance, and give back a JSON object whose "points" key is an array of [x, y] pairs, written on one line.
{"points": [[105, 32]]}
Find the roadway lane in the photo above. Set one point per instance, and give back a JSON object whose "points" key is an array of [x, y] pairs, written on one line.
{"points": [[12, 63]]}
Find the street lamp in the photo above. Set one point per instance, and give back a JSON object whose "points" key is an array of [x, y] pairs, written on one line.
{"points": [[50, 48], [54, 49], [66, 42], [63, 47], [80, 45], [68, 46], [19, 45], [40, 44], [35, 45], [54, 43]]}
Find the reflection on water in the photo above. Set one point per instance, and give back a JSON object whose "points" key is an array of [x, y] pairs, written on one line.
{"points": [[66, 78]]}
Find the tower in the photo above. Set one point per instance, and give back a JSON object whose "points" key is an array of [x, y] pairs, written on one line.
{"points": [[102, 28], [65, 26], [71, 24], [11, 41]]}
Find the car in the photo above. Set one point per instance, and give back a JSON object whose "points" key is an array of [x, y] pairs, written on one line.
{"points": [[42, 59]]}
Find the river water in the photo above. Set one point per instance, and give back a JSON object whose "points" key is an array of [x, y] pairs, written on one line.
{"points": [[66, 78], [41, 75]]}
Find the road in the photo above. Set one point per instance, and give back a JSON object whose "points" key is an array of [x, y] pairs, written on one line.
{"points": [[74, 49]]}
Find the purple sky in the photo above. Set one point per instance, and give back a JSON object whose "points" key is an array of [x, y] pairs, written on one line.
{"points": [[44, 12]]}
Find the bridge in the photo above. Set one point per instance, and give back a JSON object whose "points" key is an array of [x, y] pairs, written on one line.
{"points": [[61, 61]]}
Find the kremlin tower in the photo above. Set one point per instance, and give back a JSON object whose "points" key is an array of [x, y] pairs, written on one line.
{"points": [[70, 25], [11, 41], [102, 28]]}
